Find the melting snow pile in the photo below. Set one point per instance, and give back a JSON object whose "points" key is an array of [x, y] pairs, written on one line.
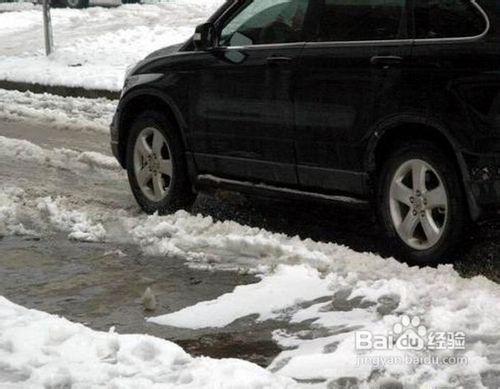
{"points": [[328, 291], [38, 350], [59, 158], [62, 112], [94, 46], [336, 305], [20, 215]]}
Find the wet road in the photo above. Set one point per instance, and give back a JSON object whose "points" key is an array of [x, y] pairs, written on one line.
{"points": [[101, 287]]}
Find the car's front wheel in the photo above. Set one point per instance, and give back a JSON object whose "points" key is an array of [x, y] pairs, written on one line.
{"points": [[421, 203], [156, 165]]}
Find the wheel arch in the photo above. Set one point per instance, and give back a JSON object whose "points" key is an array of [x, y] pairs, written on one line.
{"points": [[140, 101], [387, 136]]}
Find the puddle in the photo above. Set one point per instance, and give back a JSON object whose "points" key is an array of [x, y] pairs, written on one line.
{"points": [[101, 287]]}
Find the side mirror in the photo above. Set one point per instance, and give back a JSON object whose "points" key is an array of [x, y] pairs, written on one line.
{"points": [[204, 37]]}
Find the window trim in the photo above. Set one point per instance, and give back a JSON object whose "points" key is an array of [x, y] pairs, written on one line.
{"points": [[233, 8], [263, 46], [388, 42], [464, 39]]}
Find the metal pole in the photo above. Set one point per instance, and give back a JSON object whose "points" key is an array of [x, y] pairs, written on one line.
{"points": [[47, 28]]}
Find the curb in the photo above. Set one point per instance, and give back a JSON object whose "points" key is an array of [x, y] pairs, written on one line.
{"points": [[65, 91]]}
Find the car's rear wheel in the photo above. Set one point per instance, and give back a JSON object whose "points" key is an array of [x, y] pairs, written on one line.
{"points": [[156, 165], [421, 203]]}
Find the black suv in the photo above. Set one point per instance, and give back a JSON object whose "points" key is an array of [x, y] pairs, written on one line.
{"points": [[389, 103]]}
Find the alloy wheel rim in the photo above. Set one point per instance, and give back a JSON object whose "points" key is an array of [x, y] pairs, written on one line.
{"points": [[153, 164], [418, 203]]}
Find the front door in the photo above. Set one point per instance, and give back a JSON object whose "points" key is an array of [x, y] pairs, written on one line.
{"points": [[243, 113], [360, 47]]}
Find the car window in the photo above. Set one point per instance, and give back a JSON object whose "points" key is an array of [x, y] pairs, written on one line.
{"points": [[266, 22], [447, 19], [361, 20]]}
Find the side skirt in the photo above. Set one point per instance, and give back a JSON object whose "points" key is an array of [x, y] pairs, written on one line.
{"points": [[209, 182]]}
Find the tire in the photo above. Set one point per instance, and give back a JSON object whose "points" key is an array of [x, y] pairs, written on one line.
{"points": [[76, 3], [439, 228], [177, 187]]}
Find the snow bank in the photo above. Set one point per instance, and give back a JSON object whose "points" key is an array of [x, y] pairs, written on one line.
{"points": [[61, 112], [21, 215], [38, 350], [67, 159], [94, 46], [78, 224], [25, 214]]}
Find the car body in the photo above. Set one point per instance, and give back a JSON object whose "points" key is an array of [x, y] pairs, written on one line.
{"points": [[317, 116]]}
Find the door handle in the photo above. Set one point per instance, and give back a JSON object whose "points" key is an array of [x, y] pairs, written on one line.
{"points": [[386, 61], [278, 60]]}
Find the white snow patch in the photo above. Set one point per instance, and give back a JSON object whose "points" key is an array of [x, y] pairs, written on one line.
{"points": [[10, 222], [22, 215], [286, 287], [41, 350], [78, 224], [59, 158], [61, 112], [335, 305]]}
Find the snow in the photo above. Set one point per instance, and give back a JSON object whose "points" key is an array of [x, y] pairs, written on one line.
{"points": [[327, 290], [62, 112], [44, 214], [60, 158], [319, 294], [94, 46], [246, 300], [38, 350], [17, 6], [329, 306], [78, 224]]}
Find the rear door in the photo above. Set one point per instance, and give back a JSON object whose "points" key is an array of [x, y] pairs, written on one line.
{"points": [[360, 50]]}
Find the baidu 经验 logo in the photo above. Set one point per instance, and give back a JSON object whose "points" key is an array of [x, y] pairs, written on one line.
{"points": [[410, 334]]}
